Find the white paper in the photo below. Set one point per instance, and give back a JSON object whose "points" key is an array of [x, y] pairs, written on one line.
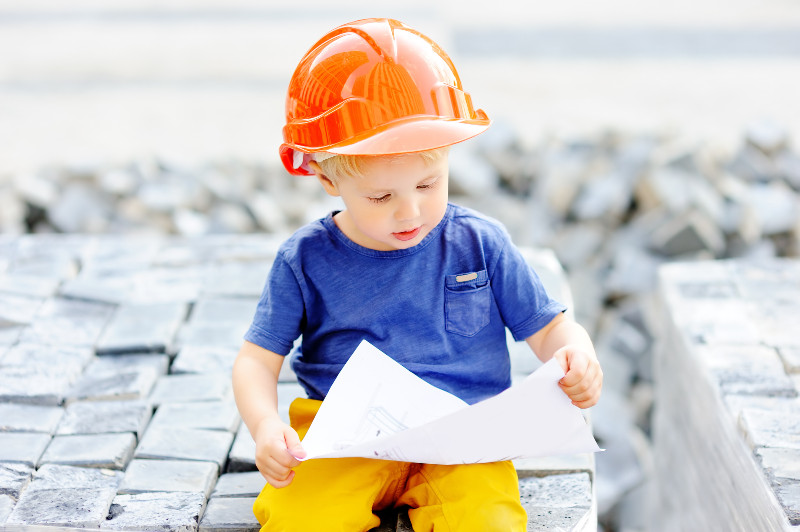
{"points": [[378, 409]]}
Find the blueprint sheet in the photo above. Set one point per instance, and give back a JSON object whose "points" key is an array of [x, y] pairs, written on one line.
{"points": [[378, 409]]}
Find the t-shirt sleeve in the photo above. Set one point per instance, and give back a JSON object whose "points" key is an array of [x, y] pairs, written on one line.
{"points": [[279, 314], [521, 297]]}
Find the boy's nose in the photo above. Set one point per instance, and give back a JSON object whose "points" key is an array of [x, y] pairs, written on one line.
{"points": [[407, 210]]}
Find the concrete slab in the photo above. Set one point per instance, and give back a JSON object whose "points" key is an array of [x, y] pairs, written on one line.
{"points": [[211, 415], [248, 484], [23, 447], [243, 452], [142, 328], [73, 507], [230, 514], [205, 359], [113, 386], [29, 418], [111, 451], [54, 476], [13, 479], [156, 512], [105, 417], [190, 388], [143, 476], [186, 444]]}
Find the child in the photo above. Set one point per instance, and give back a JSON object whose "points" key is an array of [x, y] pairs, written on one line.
{"points": [[371, 111]]}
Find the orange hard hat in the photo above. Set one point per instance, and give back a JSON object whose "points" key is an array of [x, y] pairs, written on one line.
{"points": [[375, 87]]}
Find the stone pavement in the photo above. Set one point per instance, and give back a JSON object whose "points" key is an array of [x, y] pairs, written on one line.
{"points": [[116, 409], [727, 418]]}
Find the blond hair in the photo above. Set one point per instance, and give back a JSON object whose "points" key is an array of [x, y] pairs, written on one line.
{"points": [[356, 165]]}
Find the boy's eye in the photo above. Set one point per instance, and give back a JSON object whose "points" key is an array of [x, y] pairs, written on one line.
{"points": [[423, 186], [380, 199]]}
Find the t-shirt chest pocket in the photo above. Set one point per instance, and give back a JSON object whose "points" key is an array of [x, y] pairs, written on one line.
{"points": [[467, 301]]}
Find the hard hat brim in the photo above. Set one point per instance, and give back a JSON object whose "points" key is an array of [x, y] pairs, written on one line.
{"points": [[407, 137]]}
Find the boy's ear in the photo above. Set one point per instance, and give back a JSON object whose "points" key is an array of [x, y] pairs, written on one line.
{"points": [[327, 183]]}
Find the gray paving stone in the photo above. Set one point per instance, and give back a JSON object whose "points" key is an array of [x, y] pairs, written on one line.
{"points": [[551, 519], [248, 484], [234, 514], [114, 385], [102, 365], [212, 415], [190, 388], [780, 463], [9, 334], [156, 512], [18, 309], [764, 428], [142, 328], [29, 386], [242, 456], [788, 492], [7, 504], [14, 478], [69, 507], [236, 279], [55, 476], [105, 417], [754, 370], [111, 451], [23, 447], [48, 359], [186, 444], [791, 358], [29, 285], [288, 392], [40, 374], [557, 491], [29, 418], [205, 359], [143, 476], [68, 322], [219, 321]]}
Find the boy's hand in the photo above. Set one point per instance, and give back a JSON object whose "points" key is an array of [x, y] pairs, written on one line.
{"points": [[583, 377], [277, 445]]}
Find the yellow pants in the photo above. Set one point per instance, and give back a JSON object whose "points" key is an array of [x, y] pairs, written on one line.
{"points": [[340, 494]]}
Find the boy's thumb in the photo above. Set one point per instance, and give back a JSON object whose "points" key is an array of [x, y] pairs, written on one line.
{"points": [[293, 444]]}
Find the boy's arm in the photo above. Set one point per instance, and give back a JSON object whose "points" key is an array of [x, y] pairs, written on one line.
{"points": [[255, 387], [566, 341]]}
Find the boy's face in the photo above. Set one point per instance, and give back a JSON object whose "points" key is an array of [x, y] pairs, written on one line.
{"points": [[395, 204]]}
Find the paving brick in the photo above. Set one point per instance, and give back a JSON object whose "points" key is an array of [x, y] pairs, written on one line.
{"points": [[212, 415], [111, 451], [780, 463], [29, 418], [68, 322], [18, 309], [7, 504], [9, 334], [29, 285], [788, 492], [557, 502], [186, 444], [142, 328], [248, 484], [791, 359], [764, 428], [219, 321], [216, 359], [242, 456], [288, 392], [747, 370], [14, 478], [72, 507], [230, 514], [156, 512], [111, 385], [189, 388], [144, 476], [23, 447], [236, 279], [105, 417], [55, 476]]}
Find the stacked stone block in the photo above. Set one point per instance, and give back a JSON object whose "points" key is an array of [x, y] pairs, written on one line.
{"points": [[727, 418], [116, 407]]}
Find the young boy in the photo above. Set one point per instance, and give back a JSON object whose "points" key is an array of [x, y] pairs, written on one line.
{"points": [[371, 111]]}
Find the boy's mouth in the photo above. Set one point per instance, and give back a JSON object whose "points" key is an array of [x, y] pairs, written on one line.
{"points": [[407, 235]]}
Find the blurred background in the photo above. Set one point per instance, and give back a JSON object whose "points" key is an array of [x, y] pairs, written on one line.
{"points": [[627, 133]]}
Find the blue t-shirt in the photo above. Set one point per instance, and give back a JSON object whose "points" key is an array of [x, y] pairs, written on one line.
{"points": [[439, 308]]}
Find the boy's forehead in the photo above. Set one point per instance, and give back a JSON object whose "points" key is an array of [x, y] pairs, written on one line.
{"points": [[385, 171]]}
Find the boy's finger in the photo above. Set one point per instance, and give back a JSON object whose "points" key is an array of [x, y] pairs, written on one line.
{"points": [[577, 371], [293, 444]]}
